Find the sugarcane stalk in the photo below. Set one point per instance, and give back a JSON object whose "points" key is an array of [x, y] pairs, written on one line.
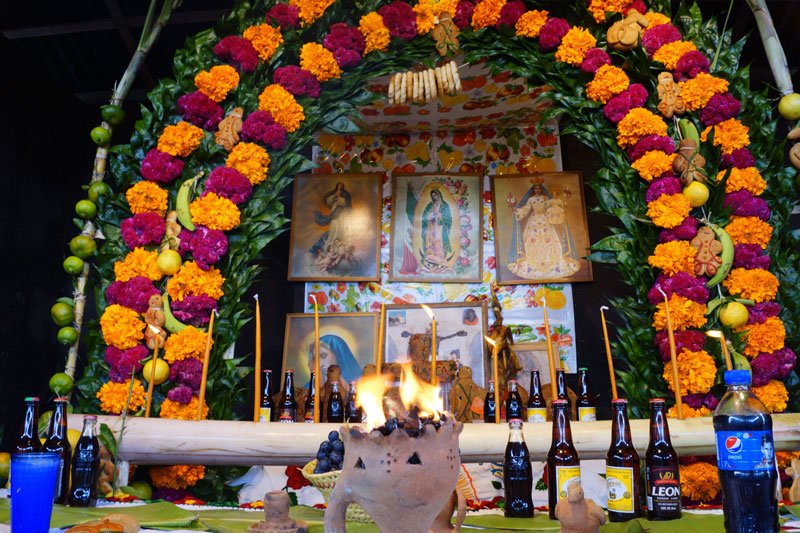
{"points": [[772, 46]]}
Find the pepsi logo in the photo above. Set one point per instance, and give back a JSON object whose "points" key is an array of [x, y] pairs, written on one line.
{"points": [[733, 444]]}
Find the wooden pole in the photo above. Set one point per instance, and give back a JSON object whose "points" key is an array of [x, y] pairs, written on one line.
{"points": [[611, 374], [676, 382], [257, 369], [206, 357]]}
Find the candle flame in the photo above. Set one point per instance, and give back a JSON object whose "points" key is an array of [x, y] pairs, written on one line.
{"points": [[490, 341], [154, 329], [428, 310], [313, 297], [715, 333], [370, 398], [413, 391]]}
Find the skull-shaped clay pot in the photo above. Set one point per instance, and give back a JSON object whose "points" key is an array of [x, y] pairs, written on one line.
{"points": [[402, 482]]}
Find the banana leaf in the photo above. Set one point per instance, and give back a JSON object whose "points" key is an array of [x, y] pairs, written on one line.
{"points": [[151, 515], [237, 520]]}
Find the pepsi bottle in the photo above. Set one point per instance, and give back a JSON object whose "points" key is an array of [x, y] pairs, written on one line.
{"points": [[746, 458]]}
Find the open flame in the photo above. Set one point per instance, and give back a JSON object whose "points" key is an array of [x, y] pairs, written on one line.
{"points": [[413, 392]]}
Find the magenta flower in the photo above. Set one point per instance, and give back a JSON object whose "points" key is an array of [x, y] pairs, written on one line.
{"points": [[690, 65], [284, 15], [595, 58], [187, 372], [510, 13], [662, 186], [744, 204], [765, 368], [194, 310], [259, 126], [142, 229], [161, 167], [200, 110], [690, 339], [237, 52], [750, 256], [682, 284], [651, 142], [229, 183], [698, 400], [346, 43], [205, 245], [297, 81], [637, 5], [656, 37], [739, 158], [180, 394], [400, 19], [760, 312], [551, 33], [787, 360], [720, 108], [134, 293], [618, 106], [683, 232], [464, 11], [122, 363]]}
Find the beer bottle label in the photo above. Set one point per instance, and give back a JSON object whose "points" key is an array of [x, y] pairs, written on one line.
{"points": [[587, 414], [265, 414], [620, 489], [308, 418], [537, 414], [663, 489], [566, 476], [745, 450], [286, 416]]}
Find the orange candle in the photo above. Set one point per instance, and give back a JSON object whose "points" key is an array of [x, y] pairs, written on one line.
{"points": [[608, 353], [550, 356], [206, 357], [673, 358], [152, 377], [316, 361], [257, 369]]}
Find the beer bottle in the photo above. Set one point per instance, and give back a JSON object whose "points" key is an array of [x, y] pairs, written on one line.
{"points": [[308, 418], [57, 441], [661, 470], [489, 404], [514, 405], [561, 389], [622, 467], [517, 473], [335, 410], [537, 407], [586, 409], [563, 463], [28, 440], [353, 413], [85, 466], [287, 408], [267, 411]]}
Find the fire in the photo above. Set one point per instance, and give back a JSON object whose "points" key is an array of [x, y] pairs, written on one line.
{"points": [[370, 398], [413, 392]]}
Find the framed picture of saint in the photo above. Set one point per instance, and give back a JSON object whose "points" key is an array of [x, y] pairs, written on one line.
{"points": [[436, 228], [335, 229], [540, 230]]}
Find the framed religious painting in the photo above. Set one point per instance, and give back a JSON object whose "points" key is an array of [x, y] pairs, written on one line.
{"points": [[532, 356], [540, 229], [436, 228], [335, 230], [348, 340]]}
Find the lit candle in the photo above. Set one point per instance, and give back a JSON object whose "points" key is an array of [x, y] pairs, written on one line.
{"points": [[724, 344], [608, 353], [495, 377], [381, 333], [673, 357], [317, 397], [206, 357], [550, 357], [257, 370], [152, 377], [433, 342]]}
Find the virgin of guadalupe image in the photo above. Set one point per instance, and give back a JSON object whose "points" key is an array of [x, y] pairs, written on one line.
{"points": [[541, 241], [333, 350], [334, 248], [435, 253]]}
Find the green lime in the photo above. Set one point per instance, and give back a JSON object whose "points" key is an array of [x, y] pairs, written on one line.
{"points": [[83, 246], [113, 114], [63, 314], [73, 265], [139, 489], [789, 107], [61, 384], [67, 335], [86, 209], [98, 189], [100, 135]]}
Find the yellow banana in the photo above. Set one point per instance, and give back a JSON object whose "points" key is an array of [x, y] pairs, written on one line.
{"points": [[182, 203], [726, 255]]}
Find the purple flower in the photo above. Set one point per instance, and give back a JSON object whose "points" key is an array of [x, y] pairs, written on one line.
{"points": [[187, 372], [171, 495], [259, 126], [284, 15], [161, 167], [690, 65], [739, 158], [683, 232], [682, 284], [229, 183], [595, 58], [297, 81], [720, 108], [662, 186], [656, 37], [760, 312], [346, 43], [205, 245], [194, 310], [618, 106], [690, 339], [765, 367], [787, 360], [400, 19], [200, 110], [181, 394], [695, 401], [142, 229], [134, 293], [463, 16], [651, 142], [750, 256], [510, 13], [123, 363], [551, 33], [744, 204], [237, 52]]}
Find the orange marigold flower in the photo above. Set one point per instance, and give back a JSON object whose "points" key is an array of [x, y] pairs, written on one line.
{"points": [[530, 23], [688, 412], [376, 34], [190, 342], [122, 327], [671, 53], [749, 230], [191, 280], [147, 197], [683, 313], [180, 411], [139, 262], [217, 82], [773, 395], [656, 19], [696, 372], [177, 477], [487, 13], [754, 284], [653, 164], [251, 160], [697, 91], [748, 179], [181, 139], [311, 10], [114, 396], [638, 123], [426, 19], [699, 481], [319, 61], [767, 336], [282, 106], [669, 210], [599, 8], [608, 81], [673, 257], [265, 39], [215, 212], [730, 135], [574, 46]]}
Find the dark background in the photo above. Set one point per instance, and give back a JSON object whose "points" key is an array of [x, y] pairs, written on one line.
{"points": [[60, 61]]}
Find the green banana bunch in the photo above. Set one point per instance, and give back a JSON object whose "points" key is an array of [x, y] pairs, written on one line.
{"points": [[171, 324], [689, 130], [727, 255], [182, 203]]}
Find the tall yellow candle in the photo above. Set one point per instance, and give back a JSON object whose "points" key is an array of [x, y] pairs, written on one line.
{"points": [[206, 357], [550, 356], [673, 358], [495, 377], [608, 353], [152, 376], [381, 333], [257, 369], [317, 397]]}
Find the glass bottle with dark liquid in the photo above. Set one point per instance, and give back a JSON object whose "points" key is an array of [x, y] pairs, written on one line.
{"points": [[287, 408], [335, 409], [517, 474], [561, 390], [622, 467], [661, 468], [353, 413], [514, 405], [563, 463], [489, 405], [85, 466], [58, 442], [308, 418], [267, 411], [587, 412], [537, 406], [28, 440]]}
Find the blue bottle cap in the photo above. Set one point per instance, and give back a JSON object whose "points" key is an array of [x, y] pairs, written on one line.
{"points": [[737, 377]]}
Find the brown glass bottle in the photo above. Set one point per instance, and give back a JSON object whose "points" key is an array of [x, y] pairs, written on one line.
{"points": [[352, 412], [489, 405], [57, 441], [335, 411], [537, 406], [622, 467], [563, 463], [586, 408], [85, 466], [287, 408], [308, 417], [661, 468], [28, 440], [514, 407], [561, 390], [267, 412], [517, 474]]}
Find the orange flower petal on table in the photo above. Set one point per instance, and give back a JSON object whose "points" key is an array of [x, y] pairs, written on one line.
{"points": [[700, 480], [177, 477]]}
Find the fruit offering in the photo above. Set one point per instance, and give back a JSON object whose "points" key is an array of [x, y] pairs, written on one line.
{"points": [[330, 454]]}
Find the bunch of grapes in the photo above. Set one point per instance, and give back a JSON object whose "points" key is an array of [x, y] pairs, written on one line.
{"points": [[330, 454]]}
